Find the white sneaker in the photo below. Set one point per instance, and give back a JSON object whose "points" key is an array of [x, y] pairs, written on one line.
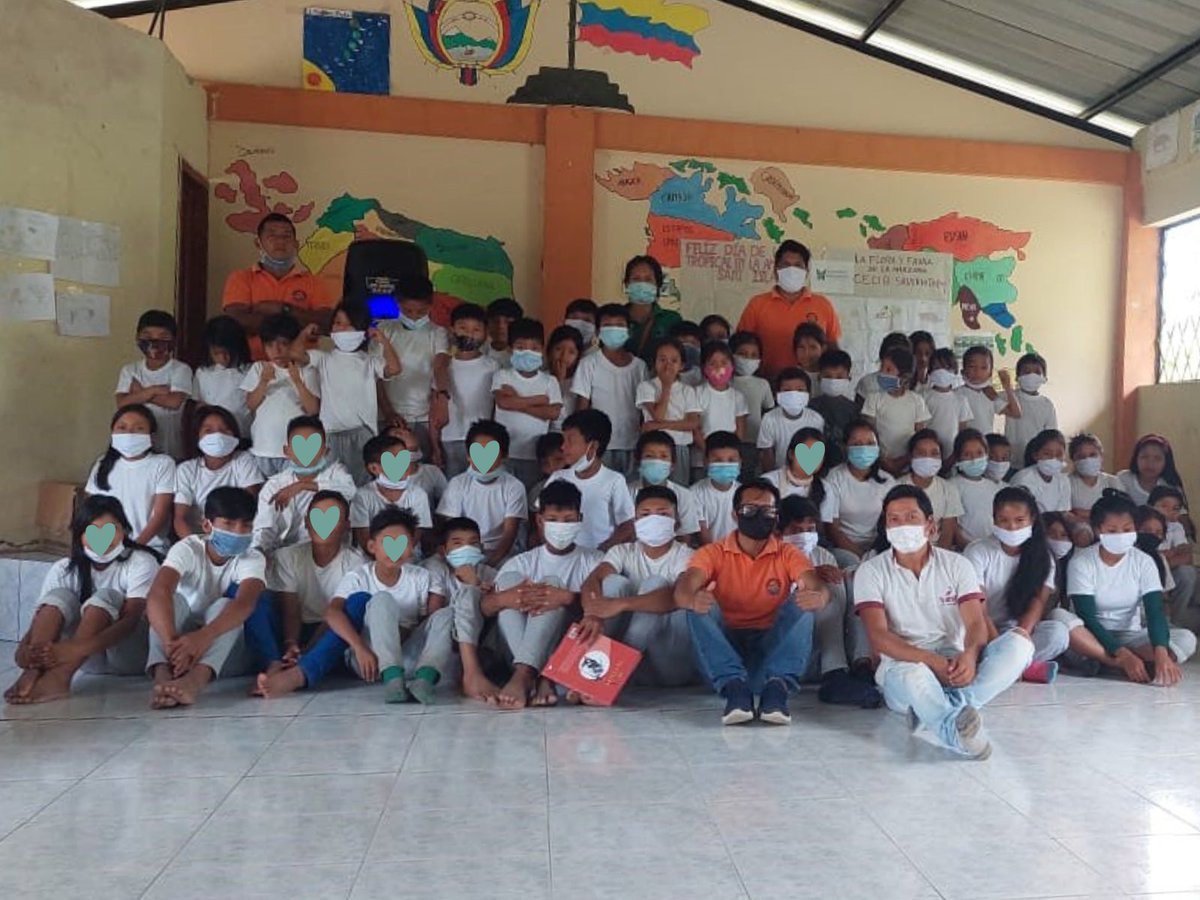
{"points": [[969, 726]]}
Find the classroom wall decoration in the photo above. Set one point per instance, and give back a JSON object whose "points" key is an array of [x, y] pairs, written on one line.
{"points": [[654, 29], [347, 52], [473, 36]]}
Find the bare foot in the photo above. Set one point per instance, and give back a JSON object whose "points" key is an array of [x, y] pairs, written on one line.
{"points": [[53, 685], [479, 687], [546, 694], [282, 681], [23, 657], [19, 692], [161, 698], [256, 689], [515, 694], [176, 693], [574, 698]]}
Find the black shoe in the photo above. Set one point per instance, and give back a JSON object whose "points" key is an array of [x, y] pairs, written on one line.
{"points": [[1078, 664], [773, 704], [842, 688], [739, 703]]}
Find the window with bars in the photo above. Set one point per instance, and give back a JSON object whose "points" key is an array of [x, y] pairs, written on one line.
{"points": [[1179, 304]]}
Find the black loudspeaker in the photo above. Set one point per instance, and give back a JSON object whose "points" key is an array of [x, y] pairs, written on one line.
{"points": [[380, 272]]}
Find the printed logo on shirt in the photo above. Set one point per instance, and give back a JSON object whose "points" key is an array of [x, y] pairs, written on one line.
{"points": [[949, 597], [774, 588], [299, 297]]}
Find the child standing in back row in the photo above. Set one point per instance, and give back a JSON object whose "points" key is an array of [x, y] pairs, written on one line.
{"points": [[158, 380], [981, 397], [836, 403], [722, 407], [608, 381], [896, 412], [948, 409], [1037, 411], [220, 382], [669, 405], [747, 358], [470, 376], [528, 399]]}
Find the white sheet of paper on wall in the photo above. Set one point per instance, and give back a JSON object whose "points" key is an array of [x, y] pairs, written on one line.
{"points": [[1162, 142], [26, 297], [88, 252], [81, 314], [27, 232], [832, 276]]}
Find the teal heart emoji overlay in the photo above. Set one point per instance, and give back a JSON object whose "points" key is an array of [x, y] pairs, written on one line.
{"points": [[100, 539], [484, 456], [810, 458], [306, 448], [323, 521], [395, 465], [394, 547]]}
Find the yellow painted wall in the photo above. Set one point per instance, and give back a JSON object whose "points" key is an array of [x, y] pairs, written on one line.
{"points": [[91, 133], [1172, 192], [750, 70]]}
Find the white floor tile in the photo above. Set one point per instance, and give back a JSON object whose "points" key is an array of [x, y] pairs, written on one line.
{"points": [[205, 880]]}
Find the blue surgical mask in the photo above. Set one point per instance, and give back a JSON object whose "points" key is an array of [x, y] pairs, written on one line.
{"points": [[414, 324], [228, 544], [319, 465], [654, 471], [526, 360], [973, 468], [275, 265], [641, 292], [614, 337], [887, 382], [466, 555], [724, 472], [863, 456]]}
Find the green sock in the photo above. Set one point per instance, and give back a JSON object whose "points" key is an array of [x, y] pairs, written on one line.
{"points": [[421, 685], [393, 683]]}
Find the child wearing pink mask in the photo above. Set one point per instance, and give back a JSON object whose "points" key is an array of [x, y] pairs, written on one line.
{"points": [[722, 406]]}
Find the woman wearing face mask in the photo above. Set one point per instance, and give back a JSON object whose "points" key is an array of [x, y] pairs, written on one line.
{"points": [[925, 464], [1088, 479], [921, 608], [1016, 574], [92, 602], [774, 315], [974, 489], [854, 493], [648, 322], [223, 461], [1044, 474], [1119, 618]]}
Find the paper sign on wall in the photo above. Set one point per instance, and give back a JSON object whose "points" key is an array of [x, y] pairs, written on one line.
{"points": [[26, 297], [831, 276], [27, 232], [88, 252], [81, 314], [1162, 142]]}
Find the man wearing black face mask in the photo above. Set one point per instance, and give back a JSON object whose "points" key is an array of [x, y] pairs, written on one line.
{"points": [[751, 600]]}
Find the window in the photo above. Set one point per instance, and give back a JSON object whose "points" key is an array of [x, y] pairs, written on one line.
{"points": [[1179, 303]]}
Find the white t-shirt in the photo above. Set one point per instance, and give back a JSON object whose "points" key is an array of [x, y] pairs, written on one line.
{"points": [[280, 405], [130, 576], [613, 390], [1118, 589], [410, 592], [1037, 415], [685, 505], [348, 394], [136, 483], [896, 419], [947, 410], [943, 496], [1176, 536], [855, 504], [177, 376], [720, 410], [569, 399], [923, 611], [976, 519], [867, 385], [409, 391], [369, 502], [431, 479], [759, 399], [715, 508], [470, 395], [684, 400], [295, 572], [1129, 484], [1084, 496], [488, 504], [502, 358], [983, 410], [194, 481], [786, 486], [201, 581], [524, 429], [777, 430], [219, 386], [570, 570], [274, 528], [996, 569], [632, 562], [606, 503], [1052, 496], [446, 583]]}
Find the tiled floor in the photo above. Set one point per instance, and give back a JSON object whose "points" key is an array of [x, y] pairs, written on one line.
{"points": [[1093, 791]]}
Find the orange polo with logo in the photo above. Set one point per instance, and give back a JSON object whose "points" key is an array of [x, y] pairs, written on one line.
{"points": [[299, 288], [750, 589], [774, 318]]}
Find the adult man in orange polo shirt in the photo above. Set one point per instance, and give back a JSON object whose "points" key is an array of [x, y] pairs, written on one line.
{"points": [[276, 283], [750, 601], [773, 316]]}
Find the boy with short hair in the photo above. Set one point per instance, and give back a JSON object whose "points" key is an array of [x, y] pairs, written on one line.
{"points": [[607, 507], [501, 313], [835, 403], [549, 459], [747, 359], [691, 338], [490, 496], [714, 494], [158, 380], [896, 411], [581, 314], [425, 475], [528, 399], [469, 375], [536, 592], [383, 492], [608, 381], [791, 413], [655, 459], [284, 500], [208, 586], [869, 383]]}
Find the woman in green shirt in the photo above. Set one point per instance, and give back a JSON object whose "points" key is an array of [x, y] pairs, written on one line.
{"points": [[647, 320]]}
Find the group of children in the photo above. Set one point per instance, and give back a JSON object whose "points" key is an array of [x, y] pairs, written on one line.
{"points": [[422, 504]]}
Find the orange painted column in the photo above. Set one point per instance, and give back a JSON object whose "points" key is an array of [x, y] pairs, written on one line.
{"points": [[1137, 313], [567, 210]]}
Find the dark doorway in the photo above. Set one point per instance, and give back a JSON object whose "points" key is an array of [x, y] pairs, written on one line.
{"points": [[191, 273]]}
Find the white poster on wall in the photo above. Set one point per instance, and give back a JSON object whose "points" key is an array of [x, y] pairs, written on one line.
{"points": [[1162, 142], [88, 252]]}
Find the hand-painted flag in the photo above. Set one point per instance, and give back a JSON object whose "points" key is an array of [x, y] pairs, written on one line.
{"points": [[657, 29]]}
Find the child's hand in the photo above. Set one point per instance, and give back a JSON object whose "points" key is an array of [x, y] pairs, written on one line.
{"points": [[829, 574], [1132, 665], [546, 598], [368, 663], [311, 332], [588, 630], [810, 601], [467, 575], [267, 375], [1005, 379], [291, 654], [1166, 670], [705, 599], [374, 334]]}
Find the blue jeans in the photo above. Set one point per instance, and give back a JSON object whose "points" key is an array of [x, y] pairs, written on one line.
{"points": [[329, 652], [754, 655], [264, 630], [912, 685]]}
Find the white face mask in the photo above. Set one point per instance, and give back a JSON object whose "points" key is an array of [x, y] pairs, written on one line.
{"points": [[583, 464], [655, 530], [348, 341], [792, 402], [978, 385], [384, 482], [804, 541], [835, 387], [996, 470], [744, 365], [103, 558], [1119, 544], [942, 378], [1089, 466], [1060, 548], [130, 445], [1012, 538], [561, 535], [217, 444], [907, 538], [1050, 467], [585, 328], [926, 466], [792, 279], [1031, 382]]}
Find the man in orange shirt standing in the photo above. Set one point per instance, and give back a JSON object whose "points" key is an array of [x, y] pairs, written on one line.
{"points": [[750, 601], [773, 316], [277, 283]]}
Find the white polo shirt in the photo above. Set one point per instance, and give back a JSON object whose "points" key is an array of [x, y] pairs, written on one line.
{"points": [[996, 569], [1052, 496], [1118, 589]]}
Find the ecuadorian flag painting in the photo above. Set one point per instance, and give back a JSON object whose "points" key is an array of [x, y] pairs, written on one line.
{"points": [[657, 29]]}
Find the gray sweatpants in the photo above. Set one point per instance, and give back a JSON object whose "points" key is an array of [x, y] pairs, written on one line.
{"points": [[454, 454], [347, 446], [528, 639], [465, 605], [664, 639], [410, 646], [1181, 642], [125, 658], [227, 657]]}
